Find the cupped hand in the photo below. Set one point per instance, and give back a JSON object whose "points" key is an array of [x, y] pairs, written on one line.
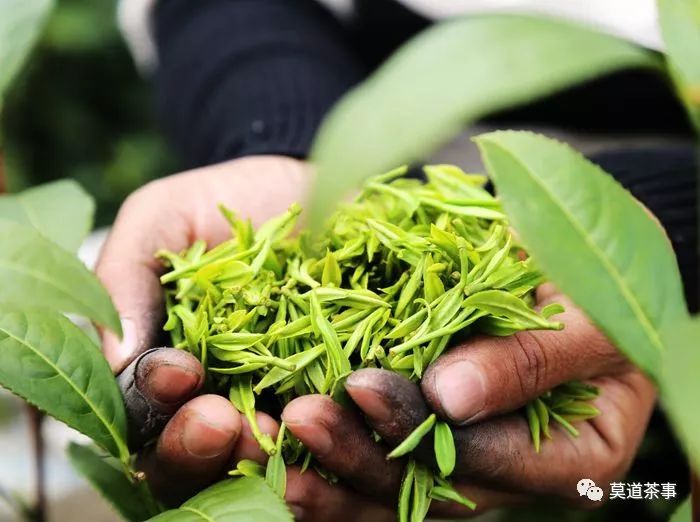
{"points": [[201, 436], [478, 387]]}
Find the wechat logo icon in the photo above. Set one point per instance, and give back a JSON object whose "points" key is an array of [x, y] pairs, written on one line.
{"points": [[586, 487]]}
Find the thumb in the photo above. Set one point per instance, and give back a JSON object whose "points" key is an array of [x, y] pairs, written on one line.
{"points": [[492, 375], [130, 272]]}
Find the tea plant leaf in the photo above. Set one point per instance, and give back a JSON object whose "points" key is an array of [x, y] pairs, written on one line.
{"points": [[246, 499], [680, 28], [450, 75], [20, 24], [276, 471], [406, 491], [445, 453], [449, 494], [680, 385], [132, 500], [411, 442], [51, 363], [36, 272], [596, 231], [62, 211], [422, 485], [684, 512]]}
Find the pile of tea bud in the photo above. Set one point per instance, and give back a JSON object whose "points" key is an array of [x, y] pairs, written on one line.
{"points": [[389, 281]]}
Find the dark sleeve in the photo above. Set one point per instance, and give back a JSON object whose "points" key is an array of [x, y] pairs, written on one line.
{"points": [[665, 179], [242, 77]]}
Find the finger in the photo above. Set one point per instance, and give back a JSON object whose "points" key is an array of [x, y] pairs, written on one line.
{"points": [[499, 453], [393, 405], [194, 448], [488, 376], [127, 267], [312, 498], [169, 214], [247, 448], [342, 443], [154, 386]]}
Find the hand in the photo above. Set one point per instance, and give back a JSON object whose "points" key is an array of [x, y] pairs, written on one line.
{"points": [[477, 386], [201, 436]]}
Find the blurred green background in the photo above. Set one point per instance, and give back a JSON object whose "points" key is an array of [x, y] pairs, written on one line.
{"points": [[79, 109]]}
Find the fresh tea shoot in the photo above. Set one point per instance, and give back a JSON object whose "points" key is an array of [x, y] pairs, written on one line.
{"points": [[396, 276]]}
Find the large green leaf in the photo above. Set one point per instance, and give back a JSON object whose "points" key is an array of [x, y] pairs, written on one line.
{"points": [[680, 27], [20, 24], [247, 499], [683, 513], [681, 385], [50, 362], [62, 211], [448, 76], [591, 237], [131, 499], [36, 272]]}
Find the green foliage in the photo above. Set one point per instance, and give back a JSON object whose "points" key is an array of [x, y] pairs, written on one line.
{"points": [[596, 232], [130, 498], [20, 24], [48, 208], [414, 438], [683, 513], [82, 111], [680, 26], [246, 499], [445, 453], [680, 384], [50, 362], [36, 272], [450, 75]]}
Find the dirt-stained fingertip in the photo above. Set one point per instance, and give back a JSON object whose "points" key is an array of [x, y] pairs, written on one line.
{"points": [[154, 386], [394, 405]]}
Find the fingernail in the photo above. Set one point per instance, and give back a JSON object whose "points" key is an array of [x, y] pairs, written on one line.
{"points": [[120, 352], [171, 383], [461, 390], [204, 439], [297, 511], [370, 402], [314, 436]]}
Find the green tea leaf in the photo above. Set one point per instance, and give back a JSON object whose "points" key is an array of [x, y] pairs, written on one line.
{"points": [[336, 356], [131, 499], [449, 494], [36, 272], [505, 304], [445, 453], [533, 421], [680, 27], [332, 275], [406, 491], [248, 468], [245, 499], [411, 442], [594, 227], [276, 471], [21, 22], [422, 485], [242, 396], [519, 59], [50, 362]]}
